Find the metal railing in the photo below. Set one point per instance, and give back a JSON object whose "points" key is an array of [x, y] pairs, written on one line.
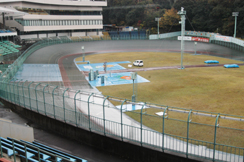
{"points": [[82, 110], [179, 133], [34, 150]]}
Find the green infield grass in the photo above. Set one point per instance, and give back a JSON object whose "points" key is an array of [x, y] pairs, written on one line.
{"points": [[211, 89]]}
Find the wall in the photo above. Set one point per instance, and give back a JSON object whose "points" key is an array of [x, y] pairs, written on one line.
{"points": [[9, 129], [107, 144]]}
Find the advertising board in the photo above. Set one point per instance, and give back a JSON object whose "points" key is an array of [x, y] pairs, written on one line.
{"points": [[199, 39]]}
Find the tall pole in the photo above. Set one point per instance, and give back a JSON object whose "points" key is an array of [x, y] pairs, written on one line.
{"points": [[182, 13], [3, 20], [235, 14], [158, 27], [158, 19], [83, 53], [195, 47]]}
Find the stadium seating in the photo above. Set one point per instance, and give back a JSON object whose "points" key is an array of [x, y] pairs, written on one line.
{"points": [[134, 35], [32, 151], [86, 38], [7, 47], [33, 11], [124, 35], [143, 34], [95, 37], [5, 31], [75, 38], [114, 35], [106, 36]]}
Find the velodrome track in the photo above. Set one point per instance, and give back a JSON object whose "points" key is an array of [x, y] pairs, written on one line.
{"points": [[64, 55], [68, 52]]}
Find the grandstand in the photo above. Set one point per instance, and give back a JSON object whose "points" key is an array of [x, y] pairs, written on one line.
{"points": [[125, 35], [106, 36], [7, 47], [33, 151], [39, 20]]}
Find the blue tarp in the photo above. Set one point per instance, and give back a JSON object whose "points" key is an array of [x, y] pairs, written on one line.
{"points": [[231, 66], [211, 62]]}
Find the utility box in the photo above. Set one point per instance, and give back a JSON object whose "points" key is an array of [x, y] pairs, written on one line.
{"points": [[133, 76], [92, 74], [102, 79]]}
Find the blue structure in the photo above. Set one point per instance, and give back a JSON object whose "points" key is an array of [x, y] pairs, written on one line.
{"points": [[125, 35], [231, 66], [39, 72], [211, 62], [115, 79], [33, 151], [100, 67]]}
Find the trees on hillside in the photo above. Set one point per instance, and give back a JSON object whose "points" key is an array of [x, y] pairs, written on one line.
{"points": [[170, 21], [202, 15]]}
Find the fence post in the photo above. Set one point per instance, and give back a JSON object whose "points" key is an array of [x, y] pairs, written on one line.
{"points": [[64, 103], [1, 150], [53, 102], [215, 133], [18, 90], [75, 107], [10, 84], [14, 150], [23, 92], [121, 111], [8, 91], [104, 115], [141, 121], [188, 125], [44, 99], [36, 97], [89, 119], [14, 90], [26, 154], [39, 157], [29, 93], [165, 110]]}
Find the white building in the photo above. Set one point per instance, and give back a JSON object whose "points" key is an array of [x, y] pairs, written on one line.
{"points": [[51, 18]]}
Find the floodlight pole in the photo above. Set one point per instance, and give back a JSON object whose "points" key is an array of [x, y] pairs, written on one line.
{"points": [[158, 19], [133, 77], [83, 53], [195, 47], [3, 19], [182, 13], [158, 27], [235, 14]]}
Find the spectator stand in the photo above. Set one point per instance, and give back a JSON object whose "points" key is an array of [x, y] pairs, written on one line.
{"points": [[34, 151]]}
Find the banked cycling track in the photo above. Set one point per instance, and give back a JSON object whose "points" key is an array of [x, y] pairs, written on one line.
{"points": [[64, 55]]}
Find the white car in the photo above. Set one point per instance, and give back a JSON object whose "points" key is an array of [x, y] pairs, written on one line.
{"points": [[138, 63]]}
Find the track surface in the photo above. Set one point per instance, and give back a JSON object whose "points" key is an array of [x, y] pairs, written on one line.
{"points": [[64, 55]]}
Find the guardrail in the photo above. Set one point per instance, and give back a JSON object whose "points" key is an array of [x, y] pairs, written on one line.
{"points": [[63, 104]]}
